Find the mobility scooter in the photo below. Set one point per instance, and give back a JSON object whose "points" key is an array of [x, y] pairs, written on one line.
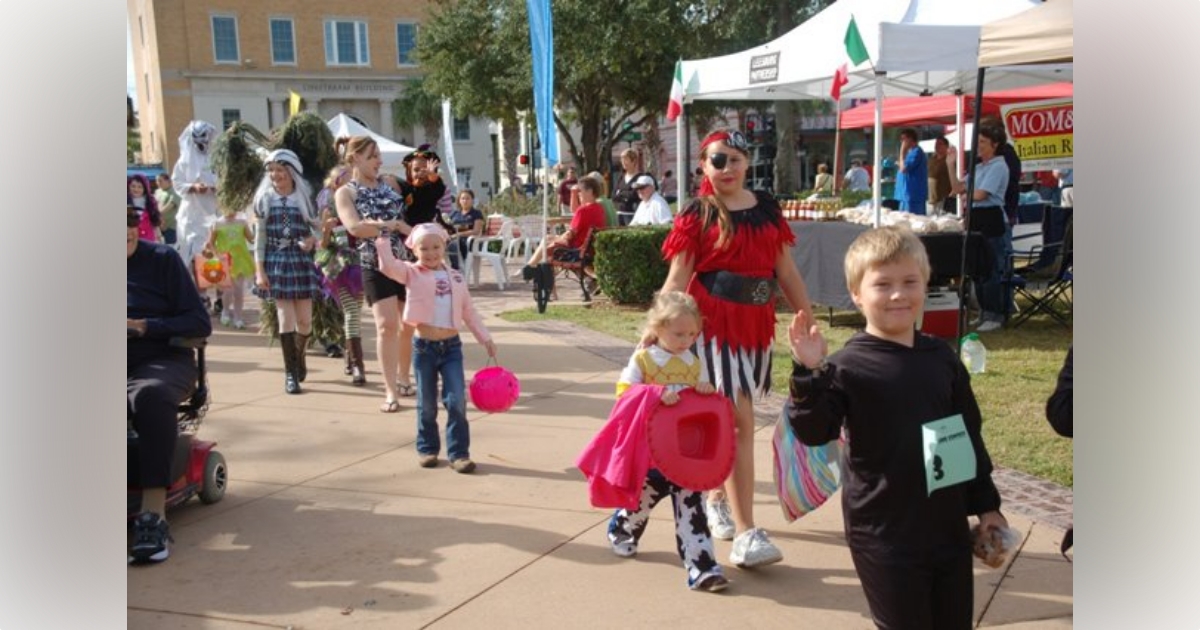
{"points": [[197, 468]]}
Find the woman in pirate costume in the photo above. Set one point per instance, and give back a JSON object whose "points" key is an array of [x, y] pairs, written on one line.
{"points": [[729, 249], [283, 257]]}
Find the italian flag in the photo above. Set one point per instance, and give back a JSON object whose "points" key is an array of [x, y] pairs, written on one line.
{"points": [[675, 107], [856, 50]]}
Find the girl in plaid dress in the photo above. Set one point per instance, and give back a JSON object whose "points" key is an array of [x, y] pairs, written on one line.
{"points": [[283, 257]]}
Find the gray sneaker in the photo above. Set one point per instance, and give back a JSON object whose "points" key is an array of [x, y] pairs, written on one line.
{"points": [[752, 548], [463, 465], [151, 539], [720, 519]]}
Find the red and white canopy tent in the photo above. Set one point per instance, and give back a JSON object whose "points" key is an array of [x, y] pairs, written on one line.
{"points": [[945, 109]]}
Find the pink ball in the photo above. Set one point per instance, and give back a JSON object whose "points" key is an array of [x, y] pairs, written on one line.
{"points": [[494, 389]]}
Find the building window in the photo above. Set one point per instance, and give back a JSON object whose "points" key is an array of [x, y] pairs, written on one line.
{"points": [[142, 30], [462, 129], [464, 177], [225, 39], [230, 116], [146, 78], [283, 42], [406, 43], [346, 43]]}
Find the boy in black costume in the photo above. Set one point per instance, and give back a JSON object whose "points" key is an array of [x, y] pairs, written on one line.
{"points": [[916, 465]]}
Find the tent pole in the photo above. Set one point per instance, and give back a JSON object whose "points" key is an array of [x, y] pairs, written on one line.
{"points": [[545, 199], [877, 190], [837, 147], [681, 175], [958, 126], [962, 268]]}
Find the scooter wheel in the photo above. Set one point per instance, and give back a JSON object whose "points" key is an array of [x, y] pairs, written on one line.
{"points": [[216, 478]]}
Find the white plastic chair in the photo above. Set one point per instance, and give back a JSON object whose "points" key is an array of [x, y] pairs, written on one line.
{"points": [[477, 252], [530, 239]]}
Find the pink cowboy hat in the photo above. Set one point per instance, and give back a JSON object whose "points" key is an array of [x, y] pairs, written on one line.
{"points": [[692, 441]]}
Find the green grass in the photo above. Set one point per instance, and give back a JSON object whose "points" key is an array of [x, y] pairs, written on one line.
{"points": [[1022, 368]]}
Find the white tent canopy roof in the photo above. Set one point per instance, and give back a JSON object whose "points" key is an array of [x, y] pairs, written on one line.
{"points": [[392, 152], [1043, 34], [922, 46]]}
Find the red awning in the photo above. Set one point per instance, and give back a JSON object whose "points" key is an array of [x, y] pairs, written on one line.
{"points": [[923, 110]]}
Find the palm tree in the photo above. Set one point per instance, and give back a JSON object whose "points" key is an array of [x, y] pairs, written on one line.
{"points": [[418, 108]]}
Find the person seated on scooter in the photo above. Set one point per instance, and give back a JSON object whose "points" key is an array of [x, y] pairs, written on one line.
{"points": [[161, 302]]}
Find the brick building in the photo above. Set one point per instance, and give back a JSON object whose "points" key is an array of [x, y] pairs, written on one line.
{"points": [[225, 60]]}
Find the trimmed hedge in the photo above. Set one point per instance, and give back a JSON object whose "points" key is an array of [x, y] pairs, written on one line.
{"points": [[629, 264]]}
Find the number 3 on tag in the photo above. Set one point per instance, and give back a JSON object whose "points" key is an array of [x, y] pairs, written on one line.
{"points": [[949, 454]]}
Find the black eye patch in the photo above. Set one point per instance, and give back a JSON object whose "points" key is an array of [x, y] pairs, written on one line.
{"points": [[718, 160]]}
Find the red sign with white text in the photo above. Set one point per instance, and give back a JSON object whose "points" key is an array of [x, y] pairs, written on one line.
{"points": [[1042, 132]]}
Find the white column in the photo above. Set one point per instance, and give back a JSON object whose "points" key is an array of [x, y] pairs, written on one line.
{"points": [[278, 111], [385, 119]]}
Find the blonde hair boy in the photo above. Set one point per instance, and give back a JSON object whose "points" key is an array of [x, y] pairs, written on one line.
{"points": [[881, 246]]}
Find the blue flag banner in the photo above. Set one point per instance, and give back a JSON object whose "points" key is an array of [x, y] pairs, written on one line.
{"points": [[541, 37]]}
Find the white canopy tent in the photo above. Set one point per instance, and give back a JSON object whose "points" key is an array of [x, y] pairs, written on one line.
{"points": [[1041, 37], [1043, 34], [392, 152], [915, 47]]}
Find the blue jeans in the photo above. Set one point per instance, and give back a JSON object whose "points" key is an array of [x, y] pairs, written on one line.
{"points": [[431, 358], [995, 297]]}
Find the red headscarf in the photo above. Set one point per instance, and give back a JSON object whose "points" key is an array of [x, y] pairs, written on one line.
{"points": [[731, 137]]}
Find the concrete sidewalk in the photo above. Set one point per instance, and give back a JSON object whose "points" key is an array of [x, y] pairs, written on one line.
{"points": [[329, 522]]}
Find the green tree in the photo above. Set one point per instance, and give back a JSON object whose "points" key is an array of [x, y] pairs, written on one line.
{"points": [[133, 145], [417, 107], [736, 26], [613, 64]]}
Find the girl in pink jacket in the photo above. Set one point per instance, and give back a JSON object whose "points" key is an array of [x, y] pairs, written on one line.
{"points": [[438, 305]]}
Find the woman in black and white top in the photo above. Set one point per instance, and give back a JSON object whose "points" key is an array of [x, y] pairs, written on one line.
{"points": [[370, 207], [624, 195]]}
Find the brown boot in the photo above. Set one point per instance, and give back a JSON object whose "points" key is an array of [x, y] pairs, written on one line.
{"points": [[349, 369], [357, 373]]}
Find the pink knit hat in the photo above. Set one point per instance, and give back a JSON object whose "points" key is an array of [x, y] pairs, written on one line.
{"points": [[423, 230]]}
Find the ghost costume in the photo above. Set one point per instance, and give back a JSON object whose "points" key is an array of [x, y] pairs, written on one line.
{"points": [[197, 211]]}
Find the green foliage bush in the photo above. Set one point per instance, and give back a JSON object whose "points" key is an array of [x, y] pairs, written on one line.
{"points": [[629, 264], [851, 198], [513, 205]]}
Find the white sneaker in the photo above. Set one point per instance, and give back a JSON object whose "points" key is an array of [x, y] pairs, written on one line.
{"points": [[239, 324], [989, 326], [226, 320], [752, 548], [624, 548], [720, 519]]}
